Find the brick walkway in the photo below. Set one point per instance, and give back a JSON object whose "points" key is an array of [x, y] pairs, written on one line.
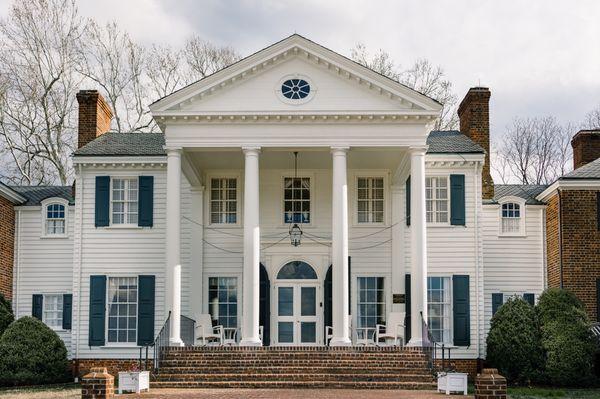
{"points": [[287, 394]]}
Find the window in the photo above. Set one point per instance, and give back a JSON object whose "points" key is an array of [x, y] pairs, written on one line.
{"points": [[55, 219], [370, 199], [296, 270], [223, 200], [436, 194], [511, 218], [371, 305], [295, 89], [124, 200], [53, 311], [122, 309], [439, 308], [222, 301], [296, 199]]}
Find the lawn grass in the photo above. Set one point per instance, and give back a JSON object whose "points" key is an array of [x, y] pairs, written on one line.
{"points": [[563, 393], [58, 391]]}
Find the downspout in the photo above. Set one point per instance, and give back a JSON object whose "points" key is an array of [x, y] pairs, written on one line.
{"points": [[17, 265], [79, 202], [560, 238], [477, 201], [544, 251]]}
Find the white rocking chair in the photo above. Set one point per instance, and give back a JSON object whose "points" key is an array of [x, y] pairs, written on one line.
{"points": [[393, 329], [206, 333], [329, 332]]}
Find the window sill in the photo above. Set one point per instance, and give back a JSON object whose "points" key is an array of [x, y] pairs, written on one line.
{"points": [[223, 225], [120, 346], [512, 235], [54, 236], [125, 227]]}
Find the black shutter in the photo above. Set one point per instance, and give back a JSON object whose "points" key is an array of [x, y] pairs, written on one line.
{"points": [[408, 201], [146, 201], [598, 299], [497, 301], [327, 299], [102, 201], [264, 305], [529, 298], [407, 307], [461, 310], [97, 310], [145, 310], [457, 200], [67, 311], [598, 209], [37, 304]]}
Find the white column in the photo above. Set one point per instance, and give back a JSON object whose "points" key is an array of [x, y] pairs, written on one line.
{"points": [[173, 243], [418, 236], [250, 336], [398, 258], [339, 249]]}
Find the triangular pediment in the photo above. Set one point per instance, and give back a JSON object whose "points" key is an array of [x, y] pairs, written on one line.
{"points": [[337, 84]]}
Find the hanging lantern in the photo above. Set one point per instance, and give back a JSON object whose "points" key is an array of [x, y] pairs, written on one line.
{"points": [[295, 234], [295, 230]]}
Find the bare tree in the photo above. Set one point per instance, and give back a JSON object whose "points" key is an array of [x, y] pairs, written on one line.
{"points": [[204, 58], [38, 54], [592, 119], [535, 150], [422, 76]]}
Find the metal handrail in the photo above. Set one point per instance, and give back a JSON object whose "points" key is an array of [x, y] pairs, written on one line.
{"points": [[161, 340], [429, 345]]}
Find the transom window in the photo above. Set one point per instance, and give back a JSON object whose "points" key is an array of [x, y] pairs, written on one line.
{"points": [[222, 301], [511, 218], [53, 310], [436, 194], [370, 200], [296, 270], [439, 308], [124, 200], [122, 309], [55, 219], [223, 200], [371, 306], [296, 199], [295, 89]]}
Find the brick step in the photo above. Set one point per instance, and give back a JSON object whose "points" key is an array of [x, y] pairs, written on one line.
{"points": [[254, 369], [244, 363], [268, 356], [306, 377], [294, 384]]}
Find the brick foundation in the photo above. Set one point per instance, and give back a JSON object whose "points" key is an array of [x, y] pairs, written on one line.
{"points": [[97, 384], [7, 247], [469, 366], [113, 366], [490, 385]]}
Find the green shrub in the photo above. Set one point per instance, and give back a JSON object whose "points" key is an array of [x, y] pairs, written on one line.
{"points": [[6, 314], [514, 344], [566, 338], [31, 354]]}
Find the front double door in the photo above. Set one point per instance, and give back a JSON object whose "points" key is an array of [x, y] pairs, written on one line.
{"points": [[297, 313]]}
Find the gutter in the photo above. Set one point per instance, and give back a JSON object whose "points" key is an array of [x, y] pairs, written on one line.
{"points": [[560, 238]]}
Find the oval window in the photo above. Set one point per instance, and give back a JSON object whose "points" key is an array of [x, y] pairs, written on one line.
{"points": [[295, 89]]}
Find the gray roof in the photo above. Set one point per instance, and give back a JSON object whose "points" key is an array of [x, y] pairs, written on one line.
{"points": [[528, 192], [36, 194], [125, 144], [587, 171], [451, 141]]}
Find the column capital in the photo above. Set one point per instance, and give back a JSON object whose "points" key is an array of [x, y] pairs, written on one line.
{"points": [[173, 151], [418, 150], [251, 150], [340, 150]]}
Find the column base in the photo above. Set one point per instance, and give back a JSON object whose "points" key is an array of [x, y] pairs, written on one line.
{"points": [[340, 342], [251, 342], [415, 342], [175, 342]]}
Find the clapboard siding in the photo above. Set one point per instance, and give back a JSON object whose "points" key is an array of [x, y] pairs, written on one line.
{"points": [[43, 265]]}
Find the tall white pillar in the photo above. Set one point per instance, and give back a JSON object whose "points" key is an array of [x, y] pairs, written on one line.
{"points": [[339, 249], [418, 235], [398, 257], [250, 312], [173, 243]]}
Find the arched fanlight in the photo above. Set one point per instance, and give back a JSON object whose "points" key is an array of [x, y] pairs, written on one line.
{"points": [[295, 230]]}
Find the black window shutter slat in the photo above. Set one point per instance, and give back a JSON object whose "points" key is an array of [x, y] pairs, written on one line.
{"points": [[145, 310], [529, 298], [407, 306], [37, 304], [461, 310], [497, 301], [457, 200], [67, 311], [408, 201], [97, 310], [146, 201], [102, 201]]}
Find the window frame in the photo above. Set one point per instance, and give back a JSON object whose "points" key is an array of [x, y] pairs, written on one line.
{"points": [[523, 214], [210, 200], [239, 198], [450, 305], [448, 201], [107, 312], [206, 285], [61, 309], [353, 198], [44, 205], [370, 200], [355, 302], [312, 184], [284, 99], [111, 188]]}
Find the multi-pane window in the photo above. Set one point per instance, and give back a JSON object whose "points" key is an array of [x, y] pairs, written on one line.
{"points": [[223, 300], [371, 306], [296, 199], [55, 219], [223, 200], [370, 200], [122, 309], [436, 194], [439, 308], [53, 310], [511, 218], [124, 200]]}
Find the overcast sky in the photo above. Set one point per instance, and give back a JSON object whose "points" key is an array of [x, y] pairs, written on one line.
{"points": [[539, 57]]}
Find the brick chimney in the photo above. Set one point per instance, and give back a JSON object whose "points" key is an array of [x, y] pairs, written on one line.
{"points": [[586, 147], [94, 116], [474, 115]]}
